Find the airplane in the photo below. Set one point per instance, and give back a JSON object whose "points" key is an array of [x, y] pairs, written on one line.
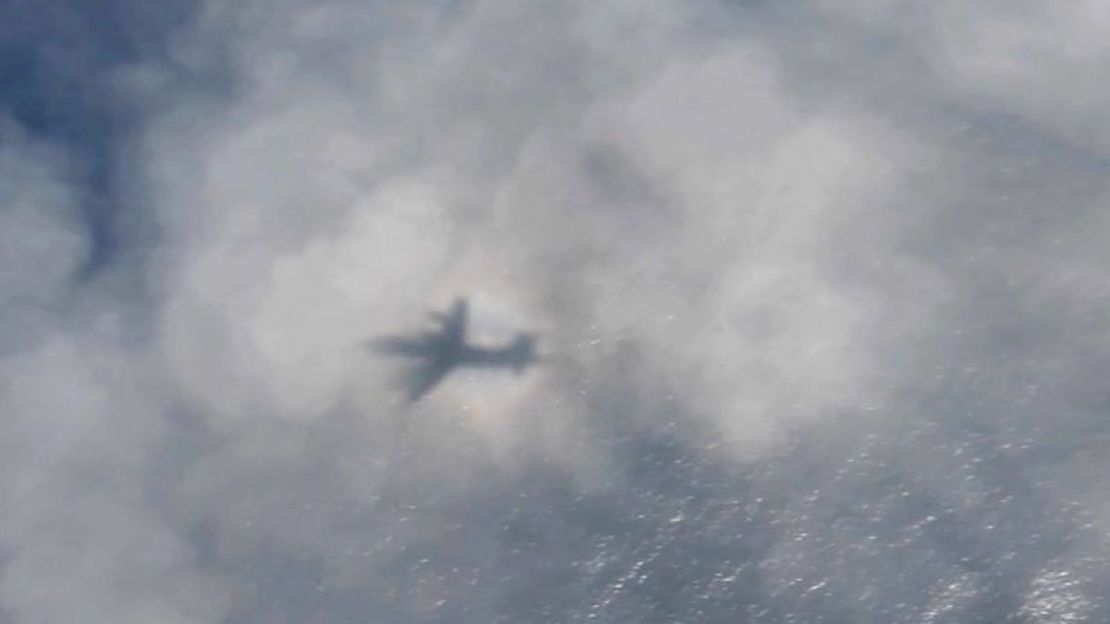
{"points": [[444, 350]]}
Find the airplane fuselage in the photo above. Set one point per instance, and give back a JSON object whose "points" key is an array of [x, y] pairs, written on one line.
{"points": [[474, 356], [470, 355], [443, 351]]}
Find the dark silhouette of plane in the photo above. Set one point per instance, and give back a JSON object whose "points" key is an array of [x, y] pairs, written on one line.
{"points": [[442, 351]]}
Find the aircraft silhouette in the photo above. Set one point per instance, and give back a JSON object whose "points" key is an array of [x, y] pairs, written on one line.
{"points": [[444, 350]]}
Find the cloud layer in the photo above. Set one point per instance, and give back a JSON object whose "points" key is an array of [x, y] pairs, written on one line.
{"points": [[820, 289]]}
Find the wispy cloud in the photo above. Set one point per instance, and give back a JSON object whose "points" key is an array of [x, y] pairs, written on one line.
{"points": [[823, 283]]}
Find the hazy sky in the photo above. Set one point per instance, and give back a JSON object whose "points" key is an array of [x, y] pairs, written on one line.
{"points": [[822, 285]]}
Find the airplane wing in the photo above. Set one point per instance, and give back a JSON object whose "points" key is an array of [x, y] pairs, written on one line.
{"points": [[454, 324], [420, 381]]}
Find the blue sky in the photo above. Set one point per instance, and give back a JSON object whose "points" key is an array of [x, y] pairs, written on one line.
{"points": [[822, 287]]}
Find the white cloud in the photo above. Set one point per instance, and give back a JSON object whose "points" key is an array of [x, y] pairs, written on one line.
{"points": [[711, 248], [41, 244], [83, 426], [1044, 62]]}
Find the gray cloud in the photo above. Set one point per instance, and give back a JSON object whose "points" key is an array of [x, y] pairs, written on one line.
{"points": [[821, 287]]}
